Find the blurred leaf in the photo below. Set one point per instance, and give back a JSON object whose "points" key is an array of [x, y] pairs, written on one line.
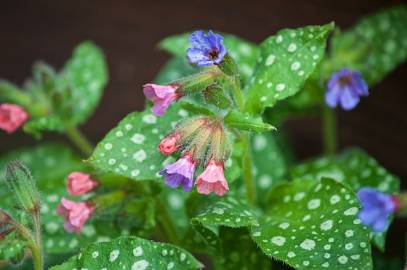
{"points": [[355, 169], [312, 225], [131, 253], [286, 61], [375, 45]]}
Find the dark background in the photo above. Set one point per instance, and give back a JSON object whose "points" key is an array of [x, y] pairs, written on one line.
{"points": [[128, 32]]}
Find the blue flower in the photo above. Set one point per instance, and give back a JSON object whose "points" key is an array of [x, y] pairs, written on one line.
{"points": [[376, 208], [207, 49], [345, 88]]}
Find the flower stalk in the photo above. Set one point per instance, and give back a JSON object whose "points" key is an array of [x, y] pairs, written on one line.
{"points": [[329, 131], [79, 140]]}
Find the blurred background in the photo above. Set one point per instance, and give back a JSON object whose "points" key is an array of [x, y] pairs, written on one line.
{"points": [[128, 32]]}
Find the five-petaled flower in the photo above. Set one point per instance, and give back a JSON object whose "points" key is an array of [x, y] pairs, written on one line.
{"points": [[345, 88], [212, 179], [75, 213], [376, 208], [207, 49], [161, 95], [180, 173], [12, 117], [80, 183]]}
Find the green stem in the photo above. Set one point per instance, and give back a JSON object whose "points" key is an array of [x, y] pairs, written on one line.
{"points": [[80, 141], [237, 93], [329, 130], [38, 240], [166, 223], [248, 171]]}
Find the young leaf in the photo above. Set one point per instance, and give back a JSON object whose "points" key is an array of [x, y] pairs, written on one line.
{"points": [[375, 45], [355, 169], [130, 149], [286, 61], [312, 225], [243, 52], [131, 253], [245, 121]]}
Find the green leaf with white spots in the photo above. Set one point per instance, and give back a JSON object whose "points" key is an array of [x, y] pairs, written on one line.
{"points": [[243, 52], [313, 225], [75, 93], [374, 46], [49, 164], [286, 61], [354, 168], [131, 253], [130, 149]]}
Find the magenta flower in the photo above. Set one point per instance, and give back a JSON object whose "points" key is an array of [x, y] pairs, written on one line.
{"points": [[12, 117], [75, 213], [376, 208], [212, 179], [161, 95], [345, 89], [80, 183], [180, 173], [207, 49]]}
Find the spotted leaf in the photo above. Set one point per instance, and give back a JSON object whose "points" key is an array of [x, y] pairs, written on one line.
{"points": [[313, 225], [375, 45], [354, 168], [243, 52], [131, 253], [286, 61]]}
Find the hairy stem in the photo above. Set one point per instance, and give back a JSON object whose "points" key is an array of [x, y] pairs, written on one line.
{"points": [[38, 240], [80, 141], [248, 171], [329, 130], [166, 223], [237, 93]]}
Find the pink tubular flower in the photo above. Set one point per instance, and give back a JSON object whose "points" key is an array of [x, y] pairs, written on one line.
{"points": [[80, 183], [212, 179], [161, 95], [75, 213], [12, 117], [169, 144]]}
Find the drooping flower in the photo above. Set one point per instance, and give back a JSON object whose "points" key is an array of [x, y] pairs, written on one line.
{"points": [[180, 173], [212, 179], [169, 144], [80, 183], [161, 95], [345, 88], [75, 213], [12, 117], [376, 208], [207, 49]]}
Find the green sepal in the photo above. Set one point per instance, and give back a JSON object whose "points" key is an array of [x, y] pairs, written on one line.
{"points": [[216, 95]]}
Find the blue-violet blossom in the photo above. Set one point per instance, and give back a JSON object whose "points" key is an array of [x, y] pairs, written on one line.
{"points": [[376, 208], [345, 88], [180, 173], [207, 49]]}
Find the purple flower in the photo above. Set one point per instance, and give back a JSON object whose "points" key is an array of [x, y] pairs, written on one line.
{"points": [[207, 49], [180, 173], [376, 208], [345, 88], [161, 95]]}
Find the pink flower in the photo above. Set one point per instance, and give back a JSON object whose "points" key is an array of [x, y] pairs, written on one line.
{"points": [[169, 144], [80, 183], [75, 213], [161, 95], [212, 179], [12, 117]]}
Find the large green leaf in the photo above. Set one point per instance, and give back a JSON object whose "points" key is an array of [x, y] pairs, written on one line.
{"points": [[313, 225], [353, 168], [375, 45], [243, 52], [286, 61], [50, 164], [131, 253]]}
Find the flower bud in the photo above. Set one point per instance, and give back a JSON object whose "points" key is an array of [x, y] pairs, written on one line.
{"points": [[6, 225], [169, 144], [12, 117], [216, 96], [21, 182], [80, 183]]}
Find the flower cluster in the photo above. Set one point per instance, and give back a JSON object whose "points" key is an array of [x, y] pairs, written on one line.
{"points": [[77, 213], [12, 117]]}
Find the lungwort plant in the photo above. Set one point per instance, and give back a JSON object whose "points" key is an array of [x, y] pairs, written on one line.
{"points": [[205, 169]]}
